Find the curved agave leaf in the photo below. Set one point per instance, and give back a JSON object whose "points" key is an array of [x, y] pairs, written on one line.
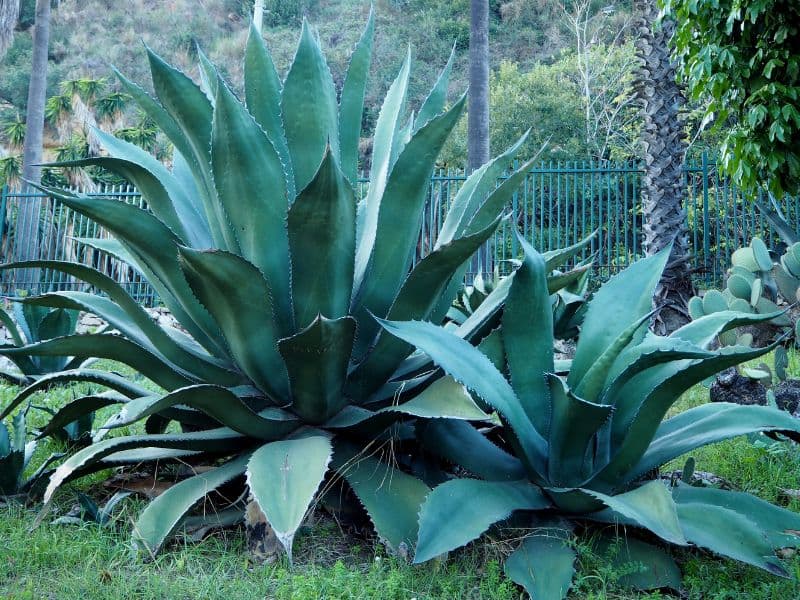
{"points": [[708, 424], [322, 245], [163, 514], [528, 338], [219, 403], [74, 410], [705, 330], [660, 570], [211, 440], [417, 298], [437, 98], [543, 564], [236, 294], [208, 75], [284, 478], [317, 385], [391, 498], [351, 103], [109, 380], [623, 300], [386, 129], [398, 223], [650, 506], [262, 90], [460, 510], [113, 347], [251, 186], [460, 443], [310, 112], [728, 533], [9, 323], [459, 359]]}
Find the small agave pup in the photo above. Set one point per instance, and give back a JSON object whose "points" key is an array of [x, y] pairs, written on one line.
{"points": [[256, 243], [581, 448]]}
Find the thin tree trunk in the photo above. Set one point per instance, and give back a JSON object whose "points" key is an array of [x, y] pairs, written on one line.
{"points": [[478, 114], [27, 234], [258, 15], [664, 146], [478, 117], [9, 14]]}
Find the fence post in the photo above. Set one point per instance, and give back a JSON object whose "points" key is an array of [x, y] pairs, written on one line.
{"points": [[3, 214], [706, 246]]}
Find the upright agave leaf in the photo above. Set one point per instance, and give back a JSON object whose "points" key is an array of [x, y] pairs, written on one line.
{"points": [[586, 441], [276, 272]]}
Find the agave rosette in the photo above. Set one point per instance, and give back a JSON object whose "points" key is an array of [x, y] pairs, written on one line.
{"points": [[256, 242], [584, 447]]}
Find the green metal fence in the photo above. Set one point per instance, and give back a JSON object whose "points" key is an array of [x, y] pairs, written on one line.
{"points": [[556, 205]]}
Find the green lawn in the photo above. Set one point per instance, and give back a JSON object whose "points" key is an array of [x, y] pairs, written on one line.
{"points": [[88, 562]]}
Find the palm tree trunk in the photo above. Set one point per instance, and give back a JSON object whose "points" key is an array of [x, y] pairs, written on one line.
{"points": [[664, 149], [27, 234], [9, 14], [478, 112]]}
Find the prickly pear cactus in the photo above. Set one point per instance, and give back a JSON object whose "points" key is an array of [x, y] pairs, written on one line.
{"points": [[757, 285]]}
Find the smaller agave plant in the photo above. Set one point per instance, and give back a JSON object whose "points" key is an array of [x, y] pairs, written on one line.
{"points": [[582, 449], [755, 285], [15, 455], [29, 325]]}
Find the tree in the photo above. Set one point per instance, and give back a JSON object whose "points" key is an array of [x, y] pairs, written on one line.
{"points": [[742, 58], [664, 148], [478, 116], [9, 13], [27, 234]]}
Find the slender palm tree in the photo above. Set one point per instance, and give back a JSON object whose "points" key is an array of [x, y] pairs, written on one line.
{"points": [[27, 235], [664, 148]]}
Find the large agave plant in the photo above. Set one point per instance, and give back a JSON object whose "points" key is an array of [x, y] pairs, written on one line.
{"points": [[583, 448], [256, 242]]}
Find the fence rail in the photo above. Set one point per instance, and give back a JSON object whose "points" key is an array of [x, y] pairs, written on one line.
{"points": [[556, 205]]}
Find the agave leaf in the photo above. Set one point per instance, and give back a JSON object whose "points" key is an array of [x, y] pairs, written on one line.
{"points": [[192, 113], [163, 514], [109, 380], [560, 256], [528, 337], [310, 112], [322, 243], [391, 498], [779, 524], [637, 418], [572, 434], [317, 385], [660, 570], [704, 330], [351, 103], [416, 299], [385, 130], [236, 294], [112, 347], [250, 183], [459, 359], [543, 564], [437, 98], [445, 398], [650, 506], [623, 300], [708, 424], [9, 323], [460, 443], [210, 440], [460, 510], [74, 410], [728, 533], [219, 403], [155, 246], [284, 477], [399, 220], [262, 89]]}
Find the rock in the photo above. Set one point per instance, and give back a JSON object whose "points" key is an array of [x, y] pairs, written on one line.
{"points": [[787, 395], [262, 543], [730, 386]]}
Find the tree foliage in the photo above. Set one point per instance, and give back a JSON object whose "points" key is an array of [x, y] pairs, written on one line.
{"points": [[742, 57]]}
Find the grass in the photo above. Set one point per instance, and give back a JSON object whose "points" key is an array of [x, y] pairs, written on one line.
{"points": [[90, 562]]}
